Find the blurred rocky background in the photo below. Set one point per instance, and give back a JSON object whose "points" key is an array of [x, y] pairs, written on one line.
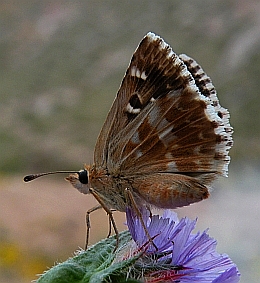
{"points": [[61, 65]]}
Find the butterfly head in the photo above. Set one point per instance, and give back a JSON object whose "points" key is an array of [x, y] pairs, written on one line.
{"points": [[80, 180]]}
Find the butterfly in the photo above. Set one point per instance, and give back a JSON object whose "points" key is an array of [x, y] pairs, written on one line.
{"points": [[165, 140]]}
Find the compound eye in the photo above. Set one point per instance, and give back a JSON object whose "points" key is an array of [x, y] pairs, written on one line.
{"points": [[83, 176]]}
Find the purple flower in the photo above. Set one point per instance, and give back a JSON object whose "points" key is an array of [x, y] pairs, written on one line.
{"points": [[176, 254]]}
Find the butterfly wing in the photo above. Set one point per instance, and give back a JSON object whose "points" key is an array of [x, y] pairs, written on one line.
{"points": [[183, 131], [165, 126], [146, 79]]}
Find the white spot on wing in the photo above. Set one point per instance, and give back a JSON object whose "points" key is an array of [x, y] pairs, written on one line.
{"points": [[138, 153], [135, 138], [172, 167], [132, 110], [135, 72], [164, 133], [143, 76], [138, 73]]}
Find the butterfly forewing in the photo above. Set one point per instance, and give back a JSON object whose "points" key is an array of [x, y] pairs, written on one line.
{"points": [[166, 132], [149, 75]]}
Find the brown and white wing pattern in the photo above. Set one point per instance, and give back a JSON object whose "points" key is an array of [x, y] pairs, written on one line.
{"points": [[166, 131], [153, 72]]}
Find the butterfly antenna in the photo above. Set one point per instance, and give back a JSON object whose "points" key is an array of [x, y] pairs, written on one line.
{"points": [[31, 177]]}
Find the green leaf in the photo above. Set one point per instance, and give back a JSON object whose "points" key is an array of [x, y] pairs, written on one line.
{"points": [[94, 265]]}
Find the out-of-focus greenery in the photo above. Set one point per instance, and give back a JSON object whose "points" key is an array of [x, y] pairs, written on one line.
{"points": [[62, 63]]}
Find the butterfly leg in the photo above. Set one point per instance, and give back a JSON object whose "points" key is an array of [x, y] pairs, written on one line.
{"points": [[139, 215], [88, 222], [109, 213], [110, 225]]}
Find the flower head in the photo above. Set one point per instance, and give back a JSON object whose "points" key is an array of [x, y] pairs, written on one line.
{"points": [[176, 254]]}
